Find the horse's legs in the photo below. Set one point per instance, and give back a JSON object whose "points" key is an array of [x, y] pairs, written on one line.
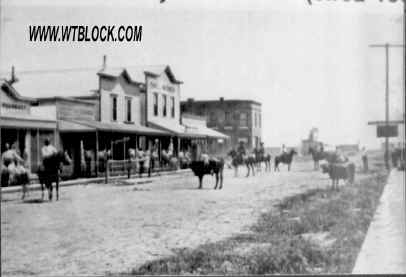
{"points": [[49, 187], [217, 180], [200, 181], [42, 189], [57, 188], [235, 170], [221, 178], [253, 169], [24, 187], [248, 170]]}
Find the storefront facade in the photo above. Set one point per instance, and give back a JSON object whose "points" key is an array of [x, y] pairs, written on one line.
{"points": [[22, 129]]}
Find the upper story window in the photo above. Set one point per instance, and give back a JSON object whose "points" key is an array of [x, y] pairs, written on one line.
{"points": [[255, 119], [128, 108], [172, 106], [228, 118], [213, 118], [243, 120], [114, 107], [164, 99], [259, 120], [221, 117], [155, 104]]}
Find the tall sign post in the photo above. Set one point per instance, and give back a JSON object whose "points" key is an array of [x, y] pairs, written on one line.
{"points": [[387, 46]]}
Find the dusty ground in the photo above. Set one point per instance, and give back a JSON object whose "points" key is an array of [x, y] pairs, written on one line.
{"points": [[99, 228]]}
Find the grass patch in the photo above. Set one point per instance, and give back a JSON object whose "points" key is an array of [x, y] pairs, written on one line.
{"points": [[320, 231]]}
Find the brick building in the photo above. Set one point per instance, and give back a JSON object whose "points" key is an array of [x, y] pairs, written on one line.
{"points": [[239, 119]]}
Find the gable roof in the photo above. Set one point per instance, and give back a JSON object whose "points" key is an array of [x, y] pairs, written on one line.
{"points": [[13, 93], [136, 74]]}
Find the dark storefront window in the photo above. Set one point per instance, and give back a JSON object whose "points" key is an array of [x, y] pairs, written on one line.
{"points": [[156, 104], [114, 108]]}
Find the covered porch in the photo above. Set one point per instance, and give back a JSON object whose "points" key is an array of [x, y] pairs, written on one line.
{"points": [[88, 141]]}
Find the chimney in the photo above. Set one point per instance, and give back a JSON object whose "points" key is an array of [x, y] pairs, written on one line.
{"points": [[13, 78], [190, 100], [104, 61], [221, 99]]}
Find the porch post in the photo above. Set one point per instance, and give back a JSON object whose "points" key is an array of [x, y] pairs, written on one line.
{"points": [[178, 147], [38, 148], [97, 154], [27, 149]]}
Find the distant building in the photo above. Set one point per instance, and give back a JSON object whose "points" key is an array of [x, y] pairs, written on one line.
{"points": [[241, 120], [348, 147], [307, 144]]}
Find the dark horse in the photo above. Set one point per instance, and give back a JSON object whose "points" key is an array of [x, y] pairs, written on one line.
{"points": [[212, 166], [319, 155], [285, 158], [50, 170], [264, 158], [239, 159]]}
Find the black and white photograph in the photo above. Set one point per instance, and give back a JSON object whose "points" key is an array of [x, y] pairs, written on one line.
{"points": [[206, 137]]}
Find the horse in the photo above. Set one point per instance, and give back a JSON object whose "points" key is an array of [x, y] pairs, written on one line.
{"points": [[337, 171], [18, 175], [285, 158], [239, 159], [49, 172], [319, 155], [208, 166], [263, 158]]}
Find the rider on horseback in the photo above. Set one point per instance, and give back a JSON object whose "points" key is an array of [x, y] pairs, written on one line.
{"points": [[284, 150], [241, 149], [47, 151], [10, 160], [261, 150]]}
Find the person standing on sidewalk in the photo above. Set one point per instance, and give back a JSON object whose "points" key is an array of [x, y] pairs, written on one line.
{"points": [[364, 156]]}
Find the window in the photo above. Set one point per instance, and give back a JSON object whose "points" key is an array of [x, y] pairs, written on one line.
{"points": [[156, 104], [243, 120], [128, 100], [213, 118], [259, 120], [255, 119], [229, 118], [114, 107], [172, 106], [164, 99], [221, 117]]}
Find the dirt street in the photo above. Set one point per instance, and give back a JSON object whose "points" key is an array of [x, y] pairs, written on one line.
{"points": [[98, 228]]}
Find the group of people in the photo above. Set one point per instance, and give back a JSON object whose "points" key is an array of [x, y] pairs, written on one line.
{"points": [[14, 164]]}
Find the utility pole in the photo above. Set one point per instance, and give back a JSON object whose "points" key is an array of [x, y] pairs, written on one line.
{"points": [[387, 46]]}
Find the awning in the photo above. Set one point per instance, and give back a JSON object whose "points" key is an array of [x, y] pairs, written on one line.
{"points": [[75, 125], [27, 122], [176, 129], [205, 131], [390, 122]]}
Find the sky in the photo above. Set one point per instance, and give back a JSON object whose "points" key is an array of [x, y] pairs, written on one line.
{"points": [[309, 65]]}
